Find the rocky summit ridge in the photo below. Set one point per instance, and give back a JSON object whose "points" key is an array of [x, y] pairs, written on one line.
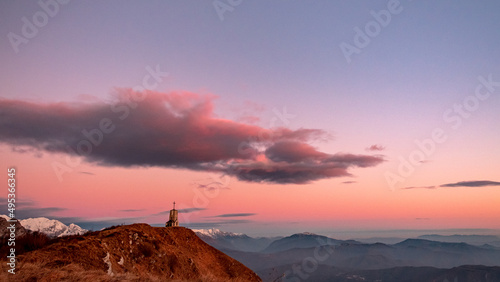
{"points": [[137, 252]]}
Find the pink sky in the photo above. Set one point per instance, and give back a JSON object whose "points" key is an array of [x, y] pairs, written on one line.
{"points": [[273, 78]]}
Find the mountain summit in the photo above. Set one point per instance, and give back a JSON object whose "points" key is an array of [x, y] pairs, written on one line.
{"points": [[216, 233], [136, 252], [223, 240], [51, 227]]}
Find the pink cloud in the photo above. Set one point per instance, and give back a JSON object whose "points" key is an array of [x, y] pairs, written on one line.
{"points": [[375, 147], [176, 130]]}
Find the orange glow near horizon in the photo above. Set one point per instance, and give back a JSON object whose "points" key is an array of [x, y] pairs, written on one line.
{"points": [[95, 192]]}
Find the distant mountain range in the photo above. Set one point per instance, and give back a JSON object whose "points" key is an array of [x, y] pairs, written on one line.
{"points": [[299, 257], [50, 227], [320, 258], [302, 241], [222, 240], [457, 238], [325, 273], [469, 239]]}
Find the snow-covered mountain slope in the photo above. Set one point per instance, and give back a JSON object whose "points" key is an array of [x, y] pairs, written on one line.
{"points": [[51, 227], [216, 233], [233, 241]]}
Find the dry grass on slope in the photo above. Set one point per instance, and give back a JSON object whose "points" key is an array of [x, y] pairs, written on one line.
{"points": [[135, 252]]}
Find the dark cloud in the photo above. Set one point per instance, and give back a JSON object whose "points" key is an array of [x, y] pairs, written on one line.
{"points": [[68, 220], [23, 213], [190, 210], [293, 152], [301, 167], [211, 186], [234, 215], [420, 187], [186, 210], [349, 182], [98, 224], [86, 172], [215, 224], [20, 203], [161, 213], [375, 147], [175, 130], [475, 183], [132, 210], [36, 152], [27, 209]]}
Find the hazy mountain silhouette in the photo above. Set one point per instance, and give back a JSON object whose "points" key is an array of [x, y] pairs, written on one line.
{"points": [[469, 239], [349, 260], [302, 240], [325, 273], [222, 240]]}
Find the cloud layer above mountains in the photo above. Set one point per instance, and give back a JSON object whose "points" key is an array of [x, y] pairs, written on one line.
{"points": [[174, 130]]}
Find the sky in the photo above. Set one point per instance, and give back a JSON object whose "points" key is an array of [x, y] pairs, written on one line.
{"points": [[262, 117]]}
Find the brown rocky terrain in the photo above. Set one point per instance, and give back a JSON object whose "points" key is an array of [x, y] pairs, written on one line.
{"points": [[5, 232], [135, 252]]}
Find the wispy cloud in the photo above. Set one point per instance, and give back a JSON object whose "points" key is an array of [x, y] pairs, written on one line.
{"points": [[420, 187], [250, 112], [213, 224], [176, 130], [37, 212], [375, 147], [190, 210], [186, 210], [214, 185], [26, 149], [132, 210], [68, 220], [28, 209], [24, 203], [349, 182], [234, 215], [474, 183], [99, 223]]}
